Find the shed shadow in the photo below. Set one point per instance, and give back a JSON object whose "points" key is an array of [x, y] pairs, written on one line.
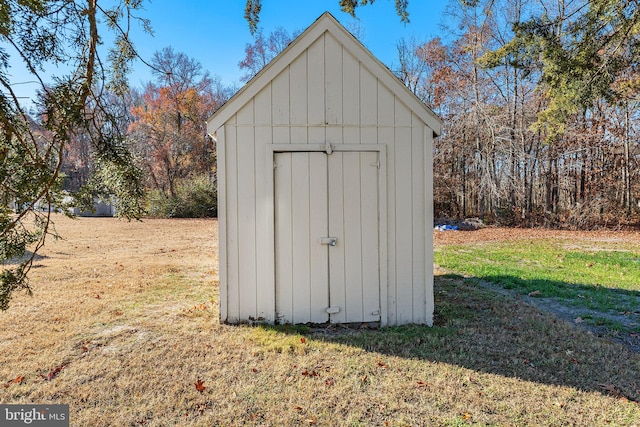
{"points": [[488, 331]]}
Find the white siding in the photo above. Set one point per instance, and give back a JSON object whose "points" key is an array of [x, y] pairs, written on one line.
{"points": [[327, 93]]}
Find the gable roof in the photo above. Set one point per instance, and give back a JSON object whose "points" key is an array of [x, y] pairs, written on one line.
{"points": [[325, 23]]}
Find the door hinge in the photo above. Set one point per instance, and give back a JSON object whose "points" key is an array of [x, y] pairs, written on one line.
{"points": [[376, 164], [376, 313], [333, 310]]}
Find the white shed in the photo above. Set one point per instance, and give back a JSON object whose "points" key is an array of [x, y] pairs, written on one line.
{"points": [[325, 189]]}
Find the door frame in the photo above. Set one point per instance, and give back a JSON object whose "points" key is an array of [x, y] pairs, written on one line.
{"points": [[269, 295]]}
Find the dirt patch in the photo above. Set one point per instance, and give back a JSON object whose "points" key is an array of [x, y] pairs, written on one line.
{"points": [[497, 234]]}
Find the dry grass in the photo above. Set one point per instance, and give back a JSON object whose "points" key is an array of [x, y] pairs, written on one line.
{"points": [[129, 311]]}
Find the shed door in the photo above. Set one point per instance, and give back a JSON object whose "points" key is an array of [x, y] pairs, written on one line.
{"points": [[326, 231]]}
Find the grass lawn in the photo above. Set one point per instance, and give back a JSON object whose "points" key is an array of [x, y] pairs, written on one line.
{"points": [[123, 326], [601, 276]]}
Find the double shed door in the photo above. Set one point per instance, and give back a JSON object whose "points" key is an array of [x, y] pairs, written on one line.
{"points": [[327, 237]]}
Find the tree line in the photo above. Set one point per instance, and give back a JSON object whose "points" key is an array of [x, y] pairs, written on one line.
{"points": [[538, 98], [540, 107]]}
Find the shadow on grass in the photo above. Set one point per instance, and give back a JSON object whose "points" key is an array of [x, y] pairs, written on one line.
{"points": [[598, 298], [23, 258], [487, 331]]}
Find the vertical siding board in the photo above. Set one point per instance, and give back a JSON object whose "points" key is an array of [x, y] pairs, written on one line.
{"points": [[403, 220], [333, 54], [403, 216], [262, 107], [336, 229], [247, 212], [385, 135], [223, 283], [418, 182], [319, 227], [284, 238], [350, 98], [262, 136], [280, 104], [352, 241], [316, 83], [383, 226], [231, 164], [368, 98], [350, 89], [402, 115], [300, 225], [264, 239], [386, 107], [298, 98], [316, 92], [428, 262], [370, 226], [368, 106], [280, 98]]}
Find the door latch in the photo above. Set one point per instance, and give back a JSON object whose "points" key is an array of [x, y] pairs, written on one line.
{"points": [[331, 241]]}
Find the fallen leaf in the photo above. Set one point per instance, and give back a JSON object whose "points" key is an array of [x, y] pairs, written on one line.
{"points": [[421, 384], [382, 365], [534, 293], [298, 408], [53, 373], [254, 370], [611, 389], [306, 373], [330, 382], [17, 380], [201, 407], [303, 340], [466, 416], [199, 385], [615, 392]]}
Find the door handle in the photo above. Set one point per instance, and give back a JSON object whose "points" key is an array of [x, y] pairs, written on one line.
{"points": [[331, 241]]}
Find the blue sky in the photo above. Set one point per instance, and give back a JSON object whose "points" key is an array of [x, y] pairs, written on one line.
{"points": [[215, 32]]}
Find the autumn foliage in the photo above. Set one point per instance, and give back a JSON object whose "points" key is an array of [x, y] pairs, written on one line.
{"points": [[522, 146], [170, 134]]}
